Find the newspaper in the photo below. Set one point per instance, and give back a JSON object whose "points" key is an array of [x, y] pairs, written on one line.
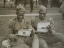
{"points": [[24, 32], [41, 27]]}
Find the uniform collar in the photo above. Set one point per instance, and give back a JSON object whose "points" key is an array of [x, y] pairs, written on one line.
{"points": [[19, 21], [43, 19]]}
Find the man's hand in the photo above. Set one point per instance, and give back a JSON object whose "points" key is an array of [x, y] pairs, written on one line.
{"points": [[49, 29], [43, 27]]}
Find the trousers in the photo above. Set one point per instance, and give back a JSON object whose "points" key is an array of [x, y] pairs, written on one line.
{"points": [[49, 39]]}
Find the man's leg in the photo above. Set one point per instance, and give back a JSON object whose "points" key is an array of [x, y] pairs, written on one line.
{"points": [[61, 37], [43, 43], [29, 41], [35, 43], [56, 37]]}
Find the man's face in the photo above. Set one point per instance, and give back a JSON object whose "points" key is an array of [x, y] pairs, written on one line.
{"points": [[20, 16], [42, 16]]}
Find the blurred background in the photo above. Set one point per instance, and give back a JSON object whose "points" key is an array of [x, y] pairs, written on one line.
{"points": [[6, 6]]}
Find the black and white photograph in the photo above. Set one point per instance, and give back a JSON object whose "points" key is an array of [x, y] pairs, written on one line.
{"points": [[31, 23]]}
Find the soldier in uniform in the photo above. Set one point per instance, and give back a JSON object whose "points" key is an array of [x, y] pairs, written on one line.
{"points": [[51, 37], [20, 22]]}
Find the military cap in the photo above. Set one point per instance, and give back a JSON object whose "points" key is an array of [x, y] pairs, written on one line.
{"points": [[20, 9], [42, 9]]}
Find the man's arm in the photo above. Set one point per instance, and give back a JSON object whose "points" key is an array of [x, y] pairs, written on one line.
{"points": [[29, 25], [51, 23], [34, 23], [10, 26], [51, 26]]}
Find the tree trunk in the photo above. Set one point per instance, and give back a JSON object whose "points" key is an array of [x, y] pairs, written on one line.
{"points": [[31, 5], [43, 2], [25, 3], [4, 3]]}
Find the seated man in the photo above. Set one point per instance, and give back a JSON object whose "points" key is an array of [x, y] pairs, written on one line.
{"points": [[50, 36], [19, 23]]}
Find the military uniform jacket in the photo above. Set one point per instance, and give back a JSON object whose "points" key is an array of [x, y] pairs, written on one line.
{"points": [[37, 20], [15, 25], [47, 19]]}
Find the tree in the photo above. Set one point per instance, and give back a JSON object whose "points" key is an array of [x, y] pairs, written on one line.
{"points": [[43, 2], [4, 3], [25, 3], [56, 3], [31, 5], [17, 2]]}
